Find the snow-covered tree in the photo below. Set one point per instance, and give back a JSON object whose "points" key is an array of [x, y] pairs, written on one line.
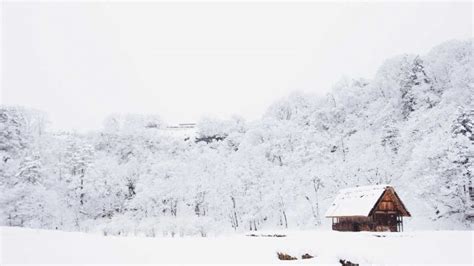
{"points": [[411, 126]]}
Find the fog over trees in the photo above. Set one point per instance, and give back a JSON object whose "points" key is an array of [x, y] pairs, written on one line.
{"points": [[410, 126]]}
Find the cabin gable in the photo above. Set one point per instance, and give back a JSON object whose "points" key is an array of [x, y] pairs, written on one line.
{"points": [[389, 202]]}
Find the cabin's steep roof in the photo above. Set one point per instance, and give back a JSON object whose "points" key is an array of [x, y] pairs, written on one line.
{"points": [[357, 201]]}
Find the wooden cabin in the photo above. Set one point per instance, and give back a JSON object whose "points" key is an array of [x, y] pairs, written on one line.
{"points": [[368, 208]]}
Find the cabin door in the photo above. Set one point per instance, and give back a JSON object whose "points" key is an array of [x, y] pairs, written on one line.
{"points": [[387, 220], [392, 222]]}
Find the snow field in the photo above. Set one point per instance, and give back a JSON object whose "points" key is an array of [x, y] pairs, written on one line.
{"points": [[19, 245]]}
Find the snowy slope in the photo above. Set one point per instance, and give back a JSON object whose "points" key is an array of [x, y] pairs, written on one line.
{"points": [[19, 245], [411, 126]]}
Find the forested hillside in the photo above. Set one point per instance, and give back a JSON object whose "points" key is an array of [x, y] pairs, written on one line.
{"points": [[410, 126]]}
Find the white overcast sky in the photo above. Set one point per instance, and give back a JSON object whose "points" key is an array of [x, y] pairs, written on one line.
{"points": [[80, 62]]}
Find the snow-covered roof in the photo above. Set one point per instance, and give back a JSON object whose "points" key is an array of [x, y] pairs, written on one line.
{"points": [[357, 201]]}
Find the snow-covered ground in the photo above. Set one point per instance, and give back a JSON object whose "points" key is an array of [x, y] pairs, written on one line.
{"points": [[19, 245]]}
